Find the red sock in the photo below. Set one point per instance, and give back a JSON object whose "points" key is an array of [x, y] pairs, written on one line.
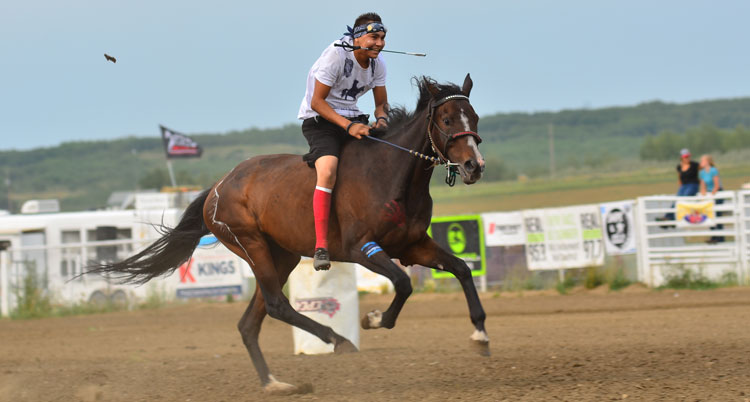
{"points": [[321, 210]]}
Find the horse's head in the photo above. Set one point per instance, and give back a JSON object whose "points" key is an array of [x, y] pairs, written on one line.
{"points": [[452, 128]]}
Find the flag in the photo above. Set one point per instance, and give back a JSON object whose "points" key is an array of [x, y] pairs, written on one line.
{"points": [[177, 145]]}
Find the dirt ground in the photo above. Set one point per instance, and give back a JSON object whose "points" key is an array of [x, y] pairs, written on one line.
{"points": [[587, 346]]}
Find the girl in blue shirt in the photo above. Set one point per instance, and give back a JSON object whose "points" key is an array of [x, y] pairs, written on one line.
{"points": [[710, 183]]}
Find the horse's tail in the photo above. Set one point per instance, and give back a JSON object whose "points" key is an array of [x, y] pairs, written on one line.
{"points": [[166, 254]]}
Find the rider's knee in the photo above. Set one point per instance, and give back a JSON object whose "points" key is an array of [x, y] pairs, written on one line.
{"points": [[327, 174]]}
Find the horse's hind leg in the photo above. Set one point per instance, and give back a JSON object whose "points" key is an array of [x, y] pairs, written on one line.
{"points": [[251, 321], [270, 300]]}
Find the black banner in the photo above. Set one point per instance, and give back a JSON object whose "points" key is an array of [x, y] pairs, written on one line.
{"points": [[177, 145]]}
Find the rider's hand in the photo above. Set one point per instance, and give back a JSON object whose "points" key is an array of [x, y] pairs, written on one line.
{"points": [[380, 124], [357, 130]]}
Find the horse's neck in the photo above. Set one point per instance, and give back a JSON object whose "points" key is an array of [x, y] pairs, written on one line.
{"points": [[412, 182]]}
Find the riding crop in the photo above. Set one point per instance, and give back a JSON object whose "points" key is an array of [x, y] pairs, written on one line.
{"points": [[352, 47]]}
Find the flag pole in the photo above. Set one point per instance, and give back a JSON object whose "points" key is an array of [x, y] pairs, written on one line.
{"points": [[171, 173]]}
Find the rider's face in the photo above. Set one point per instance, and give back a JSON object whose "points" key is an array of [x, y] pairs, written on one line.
{"points": [[375, 41]]}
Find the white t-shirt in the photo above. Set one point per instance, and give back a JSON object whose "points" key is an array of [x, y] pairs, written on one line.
{"points": [[338, 69]]}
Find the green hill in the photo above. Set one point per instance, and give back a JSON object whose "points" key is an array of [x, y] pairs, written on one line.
{"points": [[83, 174]]}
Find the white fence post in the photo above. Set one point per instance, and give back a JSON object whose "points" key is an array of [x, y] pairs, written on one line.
{"points": [[743, 223], [4, 288]]}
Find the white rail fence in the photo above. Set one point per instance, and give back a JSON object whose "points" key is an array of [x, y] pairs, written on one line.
{"points": [[666, 248]]}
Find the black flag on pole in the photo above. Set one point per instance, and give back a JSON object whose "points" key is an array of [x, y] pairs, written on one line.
{"points": [[177, 145]]}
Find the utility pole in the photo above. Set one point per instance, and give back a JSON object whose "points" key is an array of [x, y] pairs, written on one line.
{"points": [[551, 131], [7, 189]]}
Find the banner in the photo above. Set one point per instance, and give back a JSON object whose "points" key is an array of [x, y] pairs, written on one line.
{"points": [[558, 238], [328, 297], [503, 229], [618, 224], [177, 145], [463, 236], [695, 214], [211, 271]]}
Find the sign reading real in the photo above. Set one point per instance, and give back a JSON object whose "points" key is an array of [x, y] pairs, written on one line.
{"points": [[558, 238]]}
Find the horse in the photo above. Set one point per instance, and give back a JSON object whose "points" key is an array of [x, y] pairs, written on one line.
{"points": [[381, 209]]}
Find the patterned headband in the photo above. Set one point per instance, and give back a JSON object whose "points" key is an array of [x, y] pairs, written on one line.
{"points": [[364, 29]]}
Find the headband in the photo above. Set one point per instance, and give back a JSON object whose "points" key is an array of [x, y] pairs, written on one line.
{"points": [[364, 29]]}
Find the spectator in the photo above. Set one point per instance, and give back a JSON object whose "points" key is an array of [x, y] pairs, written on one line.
{"points": [[710, 183], [687, 176]]}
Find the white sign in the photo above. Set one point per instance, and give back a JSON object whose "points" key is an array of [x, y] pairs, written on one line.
{"points": [[503, 229], [558, 238], [618, 226], [212, 271], [328, 297]]}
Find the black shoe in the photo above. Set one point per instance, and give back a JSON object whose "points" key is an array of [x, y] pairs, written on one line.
{"points": [[321, 260]]}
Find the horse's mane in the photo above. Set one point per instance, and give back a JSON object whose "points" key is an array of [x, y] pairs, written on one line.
{"points": [[399, 116]]}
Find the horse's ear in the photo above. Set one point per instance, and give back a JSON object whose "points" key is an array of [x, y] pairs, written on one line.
{"points": [[466, 89]]}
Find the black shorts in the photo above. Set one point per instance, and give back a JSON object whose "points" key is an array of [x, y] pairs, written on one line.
{"points": [[325, 138]]}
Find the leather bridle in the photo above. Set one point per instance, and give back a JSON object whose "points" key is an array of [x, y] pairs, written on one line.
{"points": [[448, 137]]}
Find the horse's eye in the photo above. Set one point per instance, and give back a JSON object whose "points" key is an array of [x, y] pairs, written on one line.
{"points": [[446, 122]]}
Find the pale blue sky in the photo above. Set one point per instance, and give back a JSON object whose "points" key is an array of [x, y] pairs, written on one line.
{"points": [[214, 66]]}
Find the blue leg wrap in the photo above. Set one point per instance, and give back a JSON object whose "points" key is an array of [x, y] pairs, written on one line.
{"points": [[371, 248]]}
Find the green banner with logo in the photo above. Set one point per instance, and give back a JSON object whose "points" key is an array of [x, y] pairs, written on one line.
{"points": [[463, 236]]}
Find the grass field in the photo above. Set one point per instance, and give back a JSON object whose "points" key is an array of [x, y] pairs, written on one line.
{"points": [[571, 190]]}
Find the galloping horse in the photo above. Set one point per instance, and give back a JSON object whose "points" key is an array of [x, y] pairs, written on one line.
{"points": [[381, 209]]}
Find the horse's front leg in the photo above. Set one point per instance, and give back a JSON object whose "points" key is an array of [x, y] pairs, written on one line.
{"points": [[429, 254], [372, 257]]}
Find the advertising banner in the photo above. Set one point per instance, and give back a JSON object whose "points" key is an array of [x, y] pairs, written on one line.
{"points": [[503, 229], [328, 297], [211, 271], [695, 214], [558, 238], [618, 225], [463, 236]]}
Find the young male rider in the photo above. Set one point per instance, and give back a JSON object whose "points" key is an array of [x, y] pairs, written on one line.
{"points": [[330, 114]]}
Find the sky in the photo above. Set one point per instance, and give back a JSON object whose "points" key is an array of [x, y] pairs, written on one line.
{"points": [[222, 65]]}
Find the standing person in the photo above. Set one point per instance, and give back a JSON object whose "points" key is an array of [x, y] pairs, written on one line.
{"points": [[710, 183], [330, 114], [687, 177], [687, 174]]}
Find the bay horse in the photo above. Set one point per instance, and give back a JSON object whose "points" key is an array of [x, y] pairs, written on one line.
{"points": [[381, 209]]}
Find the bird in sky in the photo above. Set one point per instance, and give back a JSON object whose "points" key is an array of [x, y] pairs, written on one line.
{"points": [[110, 58]]}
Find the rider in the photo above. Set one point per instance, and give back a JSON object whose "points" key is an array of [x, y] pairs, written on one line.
{"points": [[330, 114]]}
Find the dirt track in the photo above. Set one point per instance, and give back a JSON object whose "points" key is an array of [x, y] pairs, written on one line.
{"points": [[634, 345]]}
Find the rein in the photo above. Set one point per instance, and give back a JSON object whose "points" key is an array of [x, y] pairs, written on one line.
{"points": [[450, 178]]}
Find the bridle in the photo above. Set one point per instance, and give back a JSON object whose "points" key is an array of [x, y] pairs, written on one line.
{"points": [[448, 137], [441, 159], [452, 167]]}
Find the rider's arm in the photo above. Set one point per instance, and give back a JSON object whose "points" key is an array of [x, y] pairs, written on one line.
{"points": [[381, 105], [319, 105]]}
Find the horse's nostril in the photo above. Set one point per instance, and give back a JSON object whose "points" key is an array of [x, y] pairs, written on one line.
{"points": [[470, 165]]}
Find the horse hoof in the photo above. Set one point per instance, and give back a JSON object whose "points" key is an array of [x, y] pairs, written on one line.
{"points": [[372, 320], [281, 388], [344, 347], [483, 348], [480, 342]]}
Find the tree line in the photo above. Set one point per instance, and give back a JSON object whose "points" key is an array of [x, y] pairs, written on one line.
{"points": [[82, 174], [700, 140]]}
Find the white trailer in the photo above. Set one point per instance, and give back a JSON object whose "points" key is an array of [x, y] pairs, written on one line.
{"points": [[54, 248]]}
